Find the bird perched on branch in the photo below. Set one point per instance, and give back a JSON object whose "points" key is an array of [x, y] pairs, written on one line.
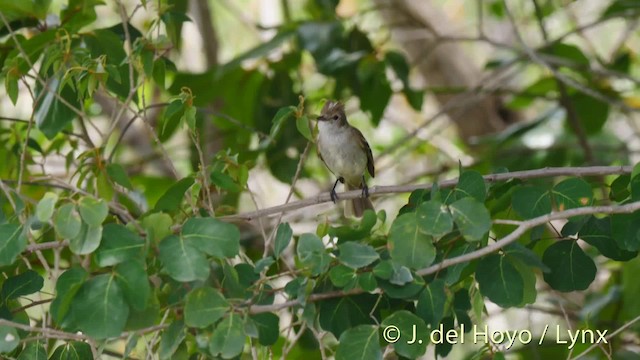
{"points": [[346, 153]]}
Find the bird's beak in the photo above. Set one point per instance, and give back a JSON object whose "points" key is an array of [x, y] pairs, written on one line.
{"points": [[321, 118]]}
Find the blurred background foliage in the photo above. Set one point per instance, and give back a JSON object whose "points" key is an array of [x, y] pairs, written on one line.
{"points": [[170, 109]]}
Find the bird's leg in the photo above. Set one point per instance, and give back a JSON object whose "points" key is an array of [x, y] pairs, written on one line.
{"points": [[333, 194], [365, 188]]}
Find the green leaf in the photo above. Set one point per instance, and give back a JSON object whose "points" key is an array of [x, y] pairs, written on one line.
{"points": [[571, 268], [73, 350], [45, 207], [531, 201], [357, 255], [597, 233], [312, 254], [22, 284], [182, 260], [12, 242], [375, 90], [204, 307], [87, 240], [159, 73], [263, 264], [212, 236], [384, 270], [525, 255], [566, 52], [431, 303], [341, 314], [454, 272], [171, 339], [625, 8], [625, 230], [157, 226], [171, 119], [283, 238], [51, 114], [67, 221], [471, 184], [224, 181], [93, 211], [367, 282], [278, 121], [268, 328], [407, 245], [33, 351], [302, 124], [406, 323], [228, 338], [471, 217], [434, 218], [341, 275], [500, 281], [172, 198], [118, 244], [99, 308], [9, 339], [67, 287], [134, 282], [592, 113], [117, 173], [359, 343], [572, 193]]}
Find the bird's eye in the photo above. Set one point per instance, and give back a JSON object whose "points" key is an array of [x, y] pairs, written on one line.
{"points": [[335, 117]]}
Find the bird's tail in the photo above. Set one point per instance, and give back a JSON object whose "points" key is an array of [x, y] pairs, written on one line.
{"points": [[357, 206]]}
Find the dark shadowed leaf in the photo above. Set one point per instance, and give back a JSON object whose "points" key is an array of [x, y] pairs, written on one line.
{"points": [[99, 308], [340, 314], [268, 328], [22, 284], [597, 233], [134, 282], [118, 244], [33, 351], [531, 201], [67, 287], [572, 193], [431, 303], [172, 198], [171, 339], [571, 268], [500, 281]]}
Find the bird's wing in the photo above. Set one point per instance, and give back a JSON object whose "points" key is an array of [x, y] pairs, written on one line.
{"points": [[367, 149]]}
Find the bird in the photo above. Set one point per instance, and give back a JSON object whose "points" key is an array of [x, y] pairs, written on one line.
{"points": [[346, 153]]}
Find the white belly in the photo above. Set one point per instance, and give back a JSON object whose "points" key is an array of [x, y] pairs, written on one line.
{"points": [[341, 152]]}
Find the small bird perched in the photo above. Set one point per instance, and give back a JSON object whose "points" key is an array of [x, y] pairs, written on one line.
{"points": [[346, 153]]}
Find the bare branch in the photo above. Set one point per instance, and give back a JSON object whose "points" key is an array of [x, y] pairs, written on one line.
{"points": [[376, 191]]}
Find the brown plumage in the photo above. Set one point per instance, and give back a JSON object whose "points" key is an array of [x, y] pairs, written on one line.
{"points": [[346, 153]]}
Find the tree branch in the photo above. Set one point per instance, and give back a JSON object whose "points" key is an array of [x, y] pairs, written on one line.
{"points": [[526, 225], [376, 191]]}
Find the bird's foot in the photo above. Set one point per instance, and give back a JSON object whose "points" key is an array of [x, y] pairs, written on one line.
{"points": [[332, 194], [365, 189]]}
